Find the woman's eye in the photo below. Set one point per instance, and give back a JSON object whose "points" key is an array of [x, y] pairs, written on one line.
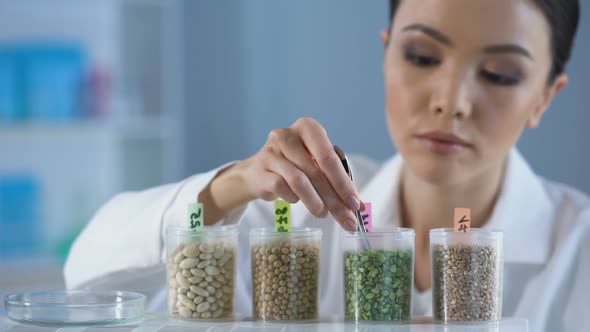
{"points": [[499, 79], [420, 60]]}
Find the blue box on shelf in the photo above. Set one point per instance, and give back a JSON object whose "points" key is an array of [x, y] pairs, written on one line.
{"points": [[53, 79], [11, 108], [20, 216], [42, 81]]}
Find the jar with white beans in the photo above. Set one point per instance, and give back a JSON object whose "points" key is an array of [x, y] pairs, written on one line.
{"points": [[201, 271]]}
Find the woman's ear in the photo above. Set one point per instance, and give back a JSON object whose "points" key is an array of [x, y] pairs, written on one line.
{"points": [[385, 34], [550, 93]]}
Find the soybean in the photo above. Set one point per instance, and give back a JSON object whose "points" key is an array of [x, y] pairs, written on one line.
{"points": [[285, 277]]}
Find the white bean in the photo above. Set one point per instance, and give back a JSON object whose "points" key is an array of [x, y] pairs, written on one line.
{"points": [[188, 263], [185, 312], [192, 250], [203, 307], [182, 280]]}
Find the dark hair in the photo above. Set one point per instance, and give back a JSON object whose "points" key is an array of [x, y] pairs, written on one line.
{"points": [[563, 17]]}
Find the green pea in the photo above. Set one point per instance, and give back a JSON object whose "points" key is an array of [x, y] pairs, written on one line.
{"points": [[378, 285]]}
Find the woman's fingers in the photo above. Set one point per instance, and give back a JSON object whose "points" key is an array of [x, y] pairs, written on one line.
{"points": [[301, 186], [316, 141], [275, 187], [299, 163], [293, 149]]}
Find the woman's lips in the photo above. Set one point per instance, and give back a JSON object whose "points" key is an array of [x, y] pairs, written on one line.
{"points": [[443, 143]]}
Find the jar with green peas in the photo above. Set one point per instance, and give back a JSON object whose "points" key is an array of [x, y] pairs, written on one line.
{"points": [[378, 275]]}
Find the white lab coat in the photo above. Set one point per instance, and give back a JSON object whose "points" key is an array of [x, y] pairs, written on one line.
{"points": [[546, 243]]}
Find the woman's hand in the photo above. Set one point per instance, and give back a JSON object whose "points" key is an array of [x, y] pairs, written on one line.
{"points": [[299, 163]]}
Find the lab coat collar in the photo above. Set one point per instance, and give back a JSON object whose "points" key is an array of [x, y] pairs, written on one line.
{"points": [[523, 209]]}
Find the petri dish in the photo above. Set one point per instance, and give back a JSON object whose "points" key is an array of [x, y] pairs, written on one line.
{"points": [[75, 307]]}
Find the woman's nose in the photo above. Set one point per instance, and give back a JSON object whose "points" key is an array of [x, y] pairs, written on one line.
{"points": [[452, 97]]}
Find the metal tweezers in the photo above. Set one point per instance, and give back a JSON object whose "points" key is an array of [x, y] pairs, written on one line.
{"points": [[346, 164]]}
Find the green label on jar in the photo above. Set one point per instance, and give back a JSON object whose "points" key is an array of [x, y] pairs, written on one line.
{"points": [[196, 219], [282, 216], [378, 285]]}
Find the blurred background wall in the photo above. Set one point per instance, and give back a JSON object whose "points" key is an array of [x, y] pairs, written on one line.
{"points": [[98, 97]]}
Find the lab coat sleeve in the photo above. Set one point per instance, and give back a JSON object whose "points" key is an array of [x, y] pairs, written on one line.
{"points": [[122, 246], [577, 306]]}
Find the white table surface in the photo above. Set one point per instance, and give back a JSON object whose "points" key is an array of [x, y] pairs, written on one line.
{"points": [[159, 322]]}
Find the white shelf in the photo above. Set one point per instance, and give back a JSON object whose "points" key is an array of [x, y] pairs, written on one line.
{"points": [[19, 133], [136, 144]]}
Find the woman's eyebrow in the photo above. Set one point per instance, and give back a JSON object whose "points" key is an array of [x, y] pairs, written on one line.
{"points": [[509, 48], [442, 38], [437, 35]]}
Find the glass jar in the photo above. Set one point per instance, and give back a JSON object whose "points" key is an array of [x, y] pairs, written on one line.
{"points": [[285, 274], [378, 275], [201, 271], [467, 275]]}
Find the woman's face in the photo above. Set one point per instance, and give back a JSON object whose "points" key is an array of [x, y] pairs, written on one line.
{"points": [[463, 79]]}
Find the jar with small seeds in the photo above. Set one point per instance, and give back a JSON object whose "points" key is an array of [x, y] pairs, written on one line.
{"points": [[285, 274], [378, 275], [467, 275], [201, 272]]}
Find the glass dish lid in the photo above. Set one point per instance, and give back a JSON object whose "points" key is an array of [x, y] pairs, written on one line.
{"points": [[75, 307]]}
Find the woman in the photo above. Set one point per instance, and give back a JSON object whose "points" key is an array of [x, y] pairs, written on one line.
{"points": [[463, 79]]}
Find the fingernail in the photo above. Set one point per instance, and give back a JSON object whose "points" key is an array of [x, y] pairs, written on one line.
{"points": [[351, 224], [353, 203], [363, 207]]}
